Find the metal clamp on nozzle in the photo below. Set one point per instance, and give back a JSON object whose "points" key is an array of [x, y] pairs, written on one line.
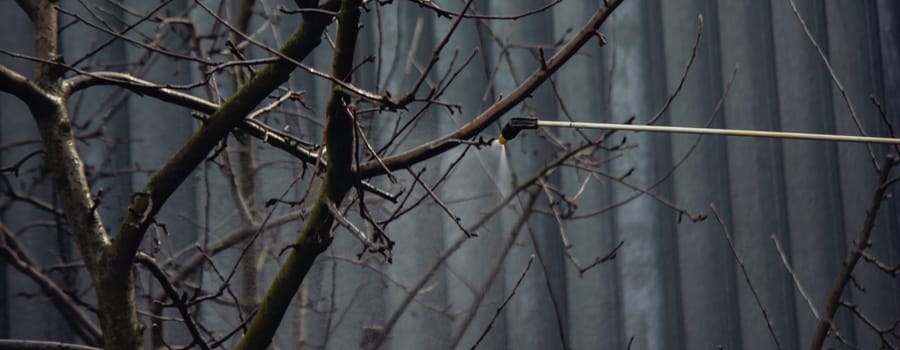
{"points": [[514, 125]]}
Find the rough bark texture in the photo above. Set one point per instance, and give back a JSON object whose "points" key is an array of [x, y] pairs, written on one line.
{"points": [[114, 285], [316, 235], [110, 262]]}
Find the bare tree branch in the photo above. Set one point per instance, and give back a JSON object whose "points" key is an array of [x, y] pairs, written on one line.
{"points": [[892, 271], [116, 36], [794, 277], [19, 86], [737, 257], [316, 235], [498, 109], [21, 344], [167, 286], [245, 116], [346, 86], [415, 290], [164, 182], [505, 301], [859, 245], [360, 235], [30, 7], [14, 254], [283, 141], [834, 79], [115, 292], [450, 14], [883, 332], [684, 74], [480, 293], [228, 240], [436, 54]]}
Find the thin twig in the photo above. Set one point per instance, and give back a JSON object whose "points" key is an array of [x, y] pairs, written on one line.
{"points": [[13, 253], [505, 301], [386, 244], [497, 266], [283, 141], [24, 197], [495, 111], [450, 14], [548, 284], [892, 271], [687, 69], [834, 79], [794, 277], [384, 101], [682, 212], [275, 104], [882, 331], [456, 219], [370, 246], [124, 31], [564, 237], [138, 43], [602, 259], [885, 119], [362, 136], [177, 299], [15, 167], [684, 157], [239, 327], [746, 275], [414, 291], [23, 344], [402, 210], [191, 264], [436, 54], [241, 202]]}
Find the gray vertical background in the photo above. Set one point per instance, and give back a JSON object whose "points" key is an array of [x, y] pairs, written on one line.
{"points": [[674, 283]]}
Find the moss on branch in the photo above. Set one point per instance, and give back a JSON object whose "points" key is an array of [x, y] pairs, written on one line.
{"points": [[316, 235]]}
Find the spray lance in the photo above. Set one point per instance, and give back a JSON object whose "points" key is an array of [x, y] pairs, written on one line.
{"points": [[514, 125]]}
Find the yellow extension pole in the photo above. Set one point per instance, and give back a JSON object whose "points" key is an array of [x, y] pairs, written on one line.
{"points": [[725, 132]]}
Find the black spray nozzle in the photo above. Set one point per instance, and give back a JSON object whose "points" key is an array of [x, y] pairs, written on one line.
{"points": [[514, 125]]}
